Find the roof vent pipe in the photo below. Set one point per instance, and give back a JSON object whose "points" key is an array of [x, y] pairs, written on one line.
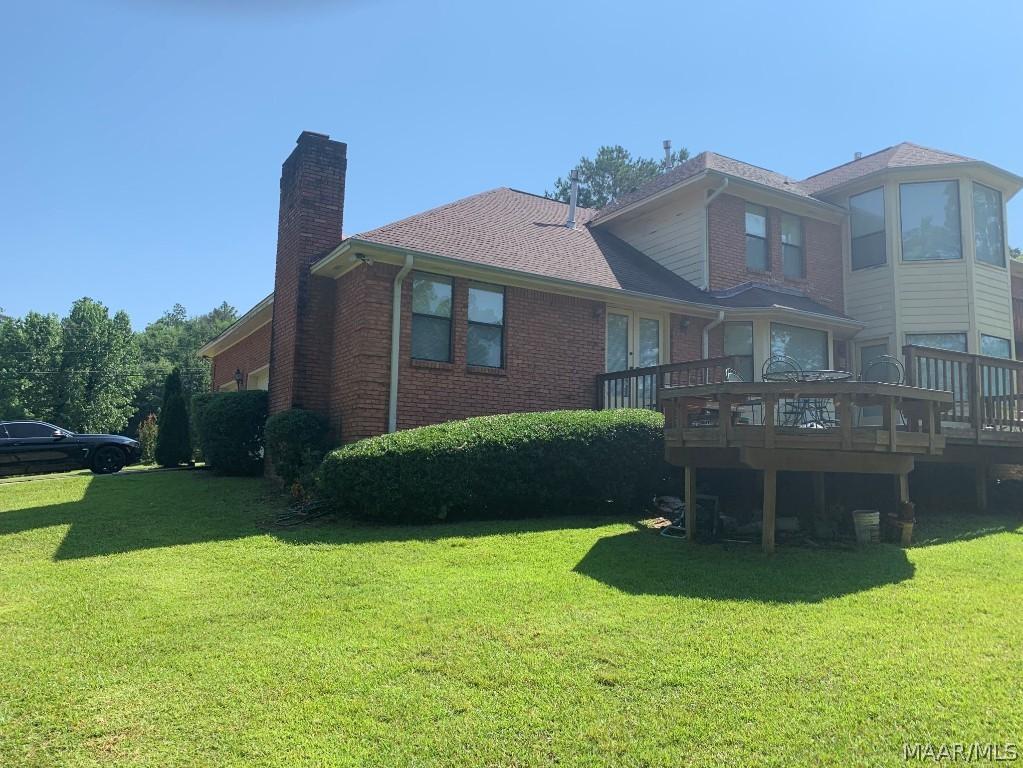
{"points": [[667, 153], [574, 198], [857, 155]]}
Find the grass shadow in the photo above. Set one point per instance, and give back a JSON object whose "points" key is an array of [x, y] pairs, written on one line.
{"points": [[133, 511], [643, 563]]}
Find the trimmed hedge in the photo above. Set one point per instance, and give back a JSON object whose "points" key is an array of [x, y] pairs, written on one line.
{"points": [[295, 442], [509, 466], [231, 432]]}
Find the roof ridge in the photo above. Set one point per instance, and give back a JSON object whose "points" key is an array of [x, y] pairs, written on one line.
{"points": [[856, 160], [428, 211], [933, 149], [753, 165], [543, 197]]}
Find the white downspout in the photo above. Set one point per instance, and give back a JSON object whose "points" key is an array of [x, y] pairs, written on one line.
{"points": [[392, 400], [706, 332]]}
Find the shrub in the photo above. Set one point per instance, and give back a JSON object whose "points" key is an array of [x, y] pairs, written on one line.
{"points": [[510, 466], [147, 438], [231, 432], [295, 442], [173, 439], [195, 412]]}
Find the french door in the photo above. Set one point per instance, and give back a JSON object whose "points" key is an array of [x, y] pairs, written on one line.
{"points": [[634, 340]]}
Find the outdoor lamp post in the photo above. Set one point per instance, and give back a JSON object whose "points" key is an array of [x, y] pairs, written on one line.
{"points": [[238, 378]]}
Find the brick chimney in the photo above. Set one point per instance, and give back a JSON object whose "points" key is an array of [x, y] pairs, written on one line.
{"points": [[309, 227]]}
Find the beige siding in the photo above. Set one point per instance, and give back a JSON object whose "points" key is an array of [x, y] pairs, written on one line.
{"points": [[934, 297], [869, 299], [673, 236], [993, 300]]}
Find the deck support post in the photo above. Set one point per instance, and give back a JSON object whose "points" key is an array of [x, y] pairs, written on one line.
{"points": [[981, 477], [902, 487], [770, 494], [690, 486]]}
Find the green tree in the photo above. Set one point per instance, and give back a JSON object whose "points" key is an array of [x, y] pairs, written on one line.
{"points": [[171, 342], [1016, 253], [99, 367], [173, 436], [30, 358], [613, 172]]}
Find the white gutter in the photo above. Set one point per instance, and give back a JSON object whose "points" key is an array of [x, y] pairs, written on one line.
{"points": [[706, 333], [392, 400]]}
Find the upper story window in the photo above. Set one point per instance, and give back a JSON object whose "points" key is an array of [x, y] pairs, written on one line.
{"points": [[485, 345], [757, 257], [793, 260], [930, 221], [431, 317], [866, 221], [988, 232]]}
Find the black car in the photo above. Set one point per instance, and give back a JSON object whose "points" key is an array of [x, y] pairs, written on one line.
{"points": [[35, 446]]}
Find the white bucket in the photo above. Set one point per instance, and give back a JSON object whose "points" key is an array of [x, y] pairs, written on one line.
{"points": [[868, 525]]}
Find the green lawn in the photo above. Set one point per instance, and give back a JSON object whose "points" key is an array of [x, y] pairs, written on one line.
{"points": [[161, 619]]}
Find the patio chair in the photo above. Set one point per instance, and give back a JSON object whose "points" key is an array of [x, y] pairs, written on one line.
{"points": [[886, 369], [754, 404], [781, 368]]}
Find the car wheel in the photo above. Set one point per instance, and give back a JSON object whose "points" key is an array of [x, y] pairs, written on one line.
{"points": [[108, 460]]}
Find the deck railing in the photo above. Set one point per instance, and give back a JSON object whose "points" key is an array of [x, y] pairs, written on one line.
{"points": [[639, 387], [987, 392]]}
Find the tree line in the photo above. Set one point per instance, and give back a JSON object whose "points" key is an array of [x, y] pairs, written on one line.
{"points": [[90, 372]]}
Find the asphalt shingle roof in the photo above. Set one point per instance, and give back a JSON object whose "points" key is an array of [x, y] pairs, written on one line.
{"points": [[898, 156], [520, 231]]}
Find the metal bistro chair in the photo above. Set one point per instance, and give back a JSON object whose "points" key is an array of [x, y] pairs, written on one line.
{"points": [[785, 368], [886, 369], [755, 405]]}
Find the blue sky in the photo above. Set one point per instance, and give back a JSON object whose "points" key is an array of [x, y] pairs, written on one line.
{"points": [[142, 141]]}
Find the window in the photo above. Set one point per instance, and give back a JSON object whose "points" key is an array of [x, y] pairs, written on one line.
{"points": [[807, 346], [739, 343], [431, 317], [486, 326], [988, 233], [757, 258], [954, 342], [930, 221], [995, 346], [27, 429], [792, 262], [866, 222]]}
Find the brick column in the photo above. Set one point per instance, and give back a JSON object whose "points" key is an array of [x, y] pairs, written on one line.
{"points": [[309, 227]]}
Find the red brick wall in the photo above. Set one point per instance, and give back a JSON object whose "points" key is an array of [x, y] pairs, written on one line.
{"points": [[553, 347], [361, 352], [822, 243], [247, 355], [309, 226]]}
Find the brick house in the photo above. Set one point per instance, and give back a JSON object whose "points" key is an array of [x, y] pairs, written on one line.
{"points": [[507, 301]]}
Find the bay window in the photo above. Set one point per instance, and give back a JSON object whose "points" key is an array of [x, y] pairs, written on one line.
{"points": [[988, 232], [431, 317], [994, 346], [807, 346], [866, 220], [485, 343], [757, 257], [930, 221], [953, 342]]}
